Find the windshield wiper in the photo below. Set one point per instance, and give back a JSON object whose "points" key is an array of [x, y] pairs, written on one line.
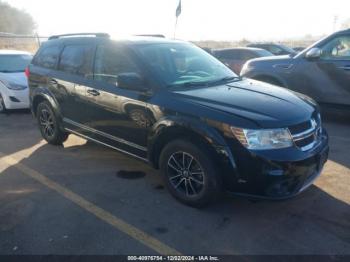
{"points": [[190, 84], [207, 83], [226, 79]]}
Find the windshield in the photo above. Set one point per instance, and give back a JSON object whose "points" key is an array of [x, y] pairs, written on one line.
{"points": [[179, 64], [14, 63]]}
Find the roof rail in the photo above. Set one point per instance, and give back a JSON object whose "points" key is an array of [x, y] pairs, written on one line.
{"points": [[152, 35], [79, 34]]}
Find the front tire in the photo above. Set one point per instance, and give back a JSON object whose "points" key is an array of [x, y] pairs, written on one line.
{"points": [[49, 125], [2, 105], [190, 174]]}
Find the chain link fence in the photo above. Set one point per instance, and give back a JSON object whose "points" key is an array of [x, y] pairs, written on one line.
{"points": [[28, 43], [31, 43]]}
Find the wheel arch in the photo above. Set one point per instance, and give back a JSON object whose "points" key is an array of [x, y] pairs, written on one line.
{"points": [[169, 129], [44, 95]]}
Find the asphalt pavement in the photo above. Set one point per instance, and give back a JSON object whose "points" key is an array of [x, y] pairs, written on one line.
{"points": [[82, 198]]}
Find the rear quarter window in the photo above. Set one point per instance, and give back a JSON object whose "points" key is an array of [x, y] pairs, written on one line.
{"points": [[47, 57], [77, 60]]}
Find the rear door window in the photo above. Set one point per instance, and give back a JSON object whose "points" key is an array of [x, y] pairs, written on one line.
{"points": [[246, 55], [77, 60], [48, 57]]}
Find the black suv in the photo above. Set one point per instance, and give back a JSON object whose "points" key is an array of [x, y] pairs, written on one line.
{"points": [[173, 105], [276, 49], [321, 71]]}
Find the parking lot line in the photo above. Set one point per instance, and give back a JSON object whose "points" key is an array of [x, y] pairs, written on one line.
{"points": [[102, 214]]}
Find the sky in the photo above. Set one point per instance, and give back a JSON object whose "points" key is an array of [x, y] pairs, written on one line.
{"points": [[200, 19]]}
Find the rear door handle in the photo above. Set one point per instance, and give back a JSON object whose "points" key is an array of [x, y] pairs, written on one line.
{"points": [[93, 92]]}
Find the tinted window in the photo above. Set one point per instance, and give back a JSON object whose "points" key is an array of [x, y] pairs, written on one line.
{"points": [[228, 54], [338, 48], [48, 57], [274, 49], [77, 59], [112, 61], [246, 55], [14, 63]]}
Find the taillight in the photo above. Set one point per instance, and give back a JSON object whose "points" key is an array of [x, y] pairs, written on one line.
{"points": [[26, 72]]}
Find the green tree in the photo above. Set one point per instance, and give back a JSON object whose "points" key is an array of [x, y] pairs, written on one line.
{"points": [[14, 20]]}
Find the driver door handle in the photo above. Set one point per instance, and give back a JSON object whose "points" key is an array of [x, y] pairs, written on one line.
{"points": [[93, 92]]}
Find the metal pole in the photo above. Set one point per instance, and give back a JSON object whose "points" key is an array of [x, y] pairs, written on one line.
{"points": [[175, 28], [37, 39]]}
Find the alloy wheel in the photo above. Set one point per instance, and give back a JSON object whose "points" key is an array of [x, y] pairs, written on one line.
{"points": [[2, 106], [185, 174], [47, 123]]}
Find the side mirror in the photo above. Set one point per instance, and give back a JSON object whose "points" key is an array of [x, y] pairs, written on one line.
{"points": [[314, 53], [131, 81]]}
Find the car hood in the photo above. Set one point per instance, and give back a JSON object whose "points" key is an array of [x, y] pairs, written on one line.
{"points": [[267, 105], [271, 59], [18, 78]]}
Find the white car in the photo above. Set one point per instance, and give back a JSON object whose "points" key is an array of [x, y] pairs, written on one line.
{"points": [[14, 92]]}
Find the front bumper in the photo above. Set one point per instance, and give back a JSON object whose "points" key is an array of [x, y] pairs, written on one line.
{"points": [[277, 175], [16, 99]]}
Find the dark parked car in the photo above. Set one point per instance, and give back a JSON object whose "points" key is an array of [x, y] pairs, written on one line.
{"points": [[173, 105], [208, 50], [298, 49], [235, 58], [321, 71], [276, 49]]}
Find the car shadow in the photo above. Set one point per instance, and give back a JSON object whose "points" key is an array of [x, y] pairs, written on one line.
{"points": [[18, 131]]}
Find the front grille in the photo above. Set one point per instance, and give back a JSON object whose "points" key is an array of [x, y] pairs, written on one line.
{"points": [[306, 135], [300, 127]]}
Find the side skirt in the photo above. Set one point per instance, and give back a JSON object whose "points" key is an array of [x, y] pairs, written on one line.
{"points": [[107, 145]]}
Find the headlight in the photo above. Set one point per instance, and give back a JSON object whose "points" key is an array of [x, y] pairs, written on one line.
{"points": [[263, 139], [13, 86]]}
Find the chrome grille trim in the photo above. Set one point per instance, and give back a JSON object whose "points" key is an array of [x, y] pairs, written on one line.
{"points": [[309, 146], [304, 134], [314, 132]]}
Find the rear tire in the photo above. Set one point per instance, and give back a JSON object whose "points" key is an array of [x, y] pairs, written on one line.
{"points": [[49, 124], [190, 173], [2, 105]]}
